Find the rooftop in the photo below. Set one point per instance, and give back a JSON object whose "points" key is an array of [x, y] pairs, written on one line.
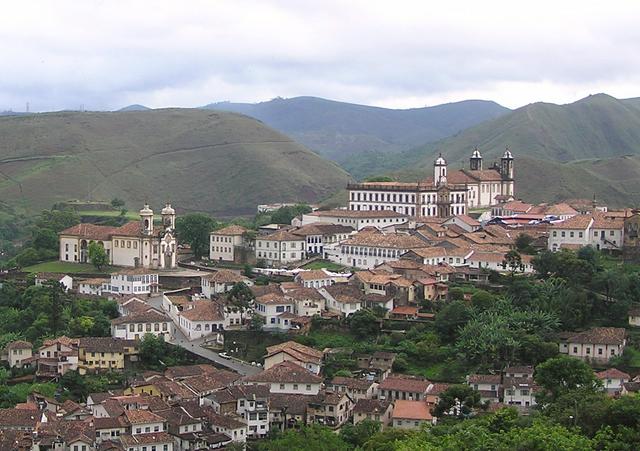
{"points": [[411, 410], [285, 372], [600, 335]]}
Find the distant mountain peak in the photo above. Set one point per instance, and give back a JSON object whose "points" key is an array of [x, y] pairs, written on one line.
{"points": [[135, 107]]}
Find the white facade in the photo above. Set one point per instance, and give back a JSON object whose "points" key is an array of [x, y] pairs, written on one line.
{"points": [[224, 243], [586, 230], [356, 219], [272, 309], [135, 326], [134, 282], [280, 248]]}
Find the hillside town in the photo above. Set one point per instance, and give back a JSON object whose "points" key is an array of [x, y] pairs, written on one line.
{"points": [[414, 304]]}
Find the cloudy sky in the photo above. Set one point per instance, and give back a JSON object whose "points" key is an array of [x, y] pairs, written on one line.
{"points": [[107, 54]]}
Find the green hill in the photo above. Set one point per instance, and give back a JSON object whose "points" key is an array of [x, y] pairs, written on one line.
{"points": [[338, 129], [200, 160]]}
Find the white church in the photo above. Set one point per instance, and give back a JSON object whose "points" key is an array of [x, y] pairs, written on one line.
{"points": [[135, 244], [446, 194]]}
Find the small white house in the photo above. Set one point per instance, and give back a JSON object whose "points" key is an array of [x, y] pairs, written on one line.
{"points": [[94, 287], [136, 281], [613, 379], [64, 279], [598, 345], [221, 282]]}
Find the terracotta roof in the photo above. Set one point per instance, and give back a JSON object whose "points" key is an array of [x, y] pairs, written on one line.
{"points": [[314, 274], [230, 230], [19, 344], [516, 206], [299, 351], [322, 229], [225, 421], [211, 381], [63, 340], [397, 382], [484, 379], [96, 281], [411, 410], [613, 373], [373, 406], [352, 383], [385, 240], [560, 209], [102, 344], [22, 418], [359, 214], [404, 310], [109, 422], [468, 220], [184, 371], [285, 372], [600, 221], [148, 316], [145, 439], [281, 235], [302, 293], [272, 298], [295, 404], [142, 417], [203, 311], [344, 293], [578, 222], [224, 276], [600, 335], [261, 290], [90, 231]]}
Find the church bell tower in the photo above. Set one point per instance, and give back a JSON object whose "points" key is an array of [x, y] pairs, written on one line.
{"points": [[475, 162], [146, 215]]}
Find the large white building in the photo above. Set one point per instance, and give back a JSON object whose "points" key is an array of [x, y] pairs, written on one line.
{"points": [[446, 194], [226, 243], [595, 230], [135, 244]]}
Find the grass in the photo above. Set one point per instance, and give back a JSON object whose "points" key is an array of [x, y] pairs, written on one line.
{"points": [[67, 268], [325, 264]]}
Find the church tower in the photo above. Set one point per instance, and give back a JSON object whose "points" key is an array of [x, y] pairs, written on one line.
{"points": [[506, 165], [146, 214], [168, 217], [475, 162], [440, 171]]}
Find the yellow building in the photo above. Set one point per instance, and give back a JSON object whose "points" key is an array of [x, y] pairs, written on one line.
{"points": [[96, 354]]}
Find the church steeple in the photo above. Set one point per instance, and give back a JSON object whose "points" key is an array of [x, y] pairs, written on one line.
{"points": [[475, 162], [440, 171], [506, 165]]}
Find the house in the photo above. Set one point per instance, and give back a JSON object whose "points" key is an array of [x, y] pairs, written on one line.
{"points": [[330, 408], [287, 410], [403, 387], [280, 247], [270, 305], [220, 282], [97, 354], [404, 312], [634, 317], [226, 244], [314, 278], [199, 319], [519, 388], [466, 223], [43, 278], [377, 366], [411, 414], [135, 244], [373, 409], [354, 387], [341, 298], [144, 442], [95, 286], [135, 281], [16, 352], [307, 301], [251, 403], [287, 377], [356, 219], [319, 236], [231, 425], [597, 345], [137, 324], [57, 356], [489, 386], [561, 211], [371, 247], [290, 351], [496, 261], [613, 380], [572, 233]]}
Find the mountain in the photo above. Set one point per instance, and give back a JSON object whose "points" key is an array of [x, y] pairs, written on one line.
{"points": [[338, 129], [134, 107], [562, 151], [200, 160]]}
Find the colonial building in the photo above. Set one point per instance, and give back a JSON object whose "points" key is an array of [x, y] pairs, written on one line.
{"points": [[135, 244], [227, 243], [597, 345], [444, 195]]}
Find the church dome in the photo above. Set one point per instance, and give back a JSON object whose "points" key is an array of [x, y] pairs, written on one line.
{"points": [[476, 154], [440, 161], [507, 154], [146, 210], [168, 210]]}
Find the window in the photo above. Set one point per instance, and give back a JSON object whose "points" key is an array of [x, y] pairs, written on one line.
{"points": [[563, 234], [128, 244], [281, 386], [308, 387], [295, 386]]}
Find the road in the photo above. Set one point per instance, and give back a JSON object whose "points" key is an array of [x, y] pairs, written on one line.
{"points": [[195, 346]]}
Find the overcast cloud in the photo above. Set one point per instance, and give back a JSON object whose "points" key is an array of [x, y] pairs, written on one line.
{"points": [[61, 54]]}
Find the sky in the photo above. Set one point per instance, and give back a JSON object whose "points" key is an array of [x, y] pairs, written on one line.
{"points": [[101, 55]]}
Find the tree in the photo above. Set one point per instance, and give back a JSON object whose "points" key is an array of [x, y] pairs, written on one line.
{"points": [[285, 215], [241, 297], [482, 300], [308, 438], [561, 374], [450, 319], [256, 322], [44, 239], [363, 323], [57, 220], [524, 244], [27, 257], [194, 229], [152, 349], [513, 261], [356, 435], [457, 400], [97, 255], [117, 203]]}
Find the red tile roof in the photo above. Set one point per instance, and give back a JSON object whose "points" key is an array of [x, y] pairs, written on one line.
{"points": [[285, 372], [411, 410]]}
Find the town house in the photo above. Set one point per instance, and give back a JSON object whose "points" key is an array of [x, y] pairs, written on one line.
{"points": [[598, 345]]}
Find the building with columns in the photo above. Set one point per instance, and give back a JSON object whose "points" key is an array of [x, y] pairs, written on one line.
{"points": [[445, 194], [135, 244]]}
